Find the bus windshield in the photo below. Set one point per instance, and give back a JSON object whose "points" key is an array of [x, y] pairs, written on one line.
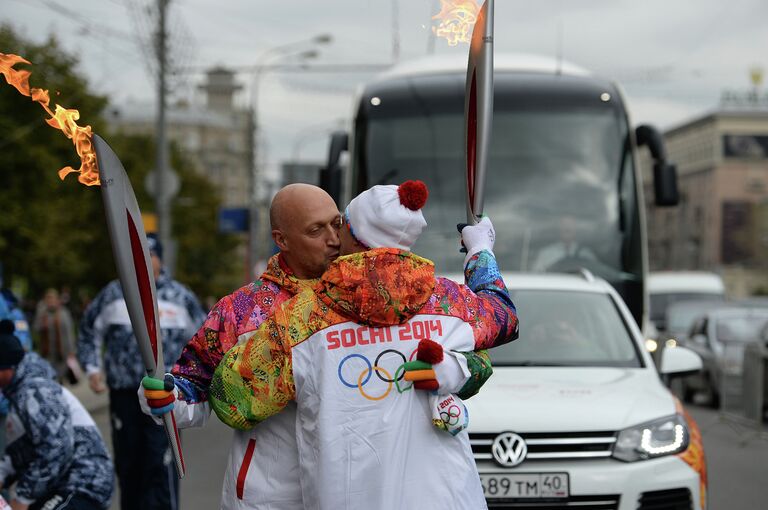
{"points": [[560, 183]]}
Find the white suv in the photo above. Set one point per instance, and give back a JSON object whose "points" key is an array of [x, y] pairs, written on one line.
{"points": [[576, 415]]}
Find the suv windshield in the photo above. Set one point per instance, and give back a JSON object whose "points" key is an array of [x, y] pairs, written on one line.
{"points": [[662, 301], [568, 328], [681, 315]]}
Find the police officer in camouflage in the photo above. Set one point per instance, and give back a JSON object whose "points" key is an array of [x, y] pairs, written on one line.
{"points": [[55, 455]]}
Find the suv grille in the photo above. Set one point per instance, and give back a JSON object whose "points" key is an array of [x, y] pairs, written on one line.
{"points": [[607, 502], [551, 445], [673, 499]]}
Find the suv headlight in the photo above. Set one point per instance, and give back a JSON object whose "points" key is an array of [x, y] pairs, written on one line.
{"points": [[665, 436]]}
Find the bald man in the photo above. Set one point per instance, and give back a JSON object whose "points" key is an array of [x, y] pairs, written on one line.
{"points": [[305, 226]]}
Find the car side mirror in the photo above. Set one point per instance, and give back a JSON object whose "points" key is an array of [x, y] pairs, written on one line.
{"points": [[679, 361]]}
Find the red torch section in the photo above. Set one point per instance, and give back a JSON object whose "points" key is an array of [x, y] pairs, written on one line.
{"points": [[178, 442], [472, 139], [145, 289]]}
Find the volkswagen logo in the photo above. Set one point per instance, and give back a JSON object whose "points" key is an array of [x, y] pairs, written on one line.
{"points": [[509, 449]]}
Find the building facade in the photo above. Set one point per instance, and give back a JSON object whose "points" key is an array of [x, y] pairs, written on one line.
{"points": [[217, 138], [721, 223]]}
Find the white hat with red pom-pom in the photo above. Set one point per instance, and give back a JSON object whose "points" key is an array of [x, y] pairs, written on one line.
{"points": [[388, 216]]}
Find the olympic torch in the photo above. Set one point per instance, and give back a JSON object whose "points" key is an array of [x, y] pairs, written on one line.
{"points": [[478, 109], [134, 267]]}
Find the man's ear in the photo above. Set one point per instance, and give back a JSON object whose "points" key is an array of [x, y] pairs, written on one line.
{"points": [[280, 240]]}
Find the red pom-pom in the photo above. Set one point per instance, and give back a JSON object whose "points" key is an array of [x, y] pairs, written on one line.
{"points": [[429, 351], [413, 194]]}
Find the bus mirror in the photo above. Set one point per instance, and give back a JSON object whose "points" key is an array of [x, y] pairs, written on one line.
{"points": [[330, 175], [665, 184], [664, 173]]}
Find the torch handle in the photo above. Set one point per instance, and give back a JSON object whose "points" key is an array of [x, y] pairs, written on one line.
{"points": [[172, 432], [478, 110], [131, 254]]}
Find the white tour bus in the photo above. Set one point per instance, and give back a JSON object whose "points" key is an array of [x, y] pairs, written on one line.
{"points": [[563, 183]]}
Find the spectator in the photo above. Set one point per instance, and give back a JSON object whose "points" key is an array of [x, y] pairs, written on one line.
{"points": [[145, 468], [16, 314], [55, 455], [55, 332]]}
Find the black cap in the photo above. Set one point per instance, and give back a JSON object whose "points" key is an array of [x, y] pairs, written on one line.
{"points": [[11, 351], [155, 247]]}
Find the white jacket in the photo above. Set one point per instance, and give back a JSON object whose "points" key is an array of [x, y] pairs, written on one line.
{"points": [[263, 467], [366, 439], [347, 439]]}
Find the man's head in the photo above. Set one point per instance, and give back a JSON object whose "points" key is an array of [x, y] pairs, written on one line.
{"points": [[384, 216], [52, 300], [305, 226], [155, 253], [11, 352]]}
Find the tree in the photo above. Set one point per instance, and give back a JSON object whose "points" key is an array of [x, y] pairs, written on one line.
{"points": [[53, 233], [50, 231], [205, 257]]}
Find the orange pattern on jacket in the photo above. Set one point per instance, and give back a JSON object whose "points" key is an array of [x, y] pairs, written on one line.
{"points": [[380, 287], [694, 454]]}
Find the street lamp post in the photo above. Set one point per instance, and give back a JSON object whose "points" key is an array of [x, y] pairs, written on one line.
{"points": [[258, 248]]}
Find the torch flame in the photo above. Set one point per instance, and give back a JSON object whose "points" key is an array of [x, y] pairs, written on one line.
{"points": [[61, 118], [457, 18]]}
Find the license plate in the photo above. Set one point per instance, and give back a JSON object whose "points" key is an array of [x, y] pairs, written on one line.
{"points": [[525, 485]]}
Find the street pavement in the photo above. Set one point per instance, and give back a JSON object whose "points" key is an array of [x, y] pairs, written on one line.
{"points": [[205, 453], [737, 458]]}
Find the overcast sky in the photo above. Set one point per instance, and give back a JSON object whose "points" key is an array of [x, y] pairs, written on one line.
{"points": [[672, 57]]}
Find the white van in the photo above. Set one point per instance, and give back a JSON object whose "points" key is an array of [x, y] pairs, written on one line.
{"points": [[668, 287]]}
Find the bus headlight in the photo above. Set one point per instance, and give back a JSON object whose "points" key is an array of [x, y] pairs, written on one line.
{"points": [[666, 436]]}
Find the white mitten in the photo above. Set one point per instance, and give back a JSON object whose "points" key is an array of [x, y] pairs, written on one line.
{"points": [[449, 413], [478, 237]]}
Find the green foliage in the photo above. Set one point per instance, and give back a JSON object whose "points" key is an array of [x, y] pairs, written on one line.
{"points": [[50, 231], [53, 232], [205, 259]]}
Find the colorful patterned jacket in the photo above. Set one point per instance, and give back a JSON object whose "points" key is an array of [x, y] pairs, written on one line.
{"points": [[266, 476], [53, 445], [337, 350], [106, 323]]}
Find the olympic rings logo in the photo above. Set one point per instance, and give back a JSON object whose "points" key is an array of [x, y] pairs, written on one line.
{"points": [[381, 373], [451, 416]]}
